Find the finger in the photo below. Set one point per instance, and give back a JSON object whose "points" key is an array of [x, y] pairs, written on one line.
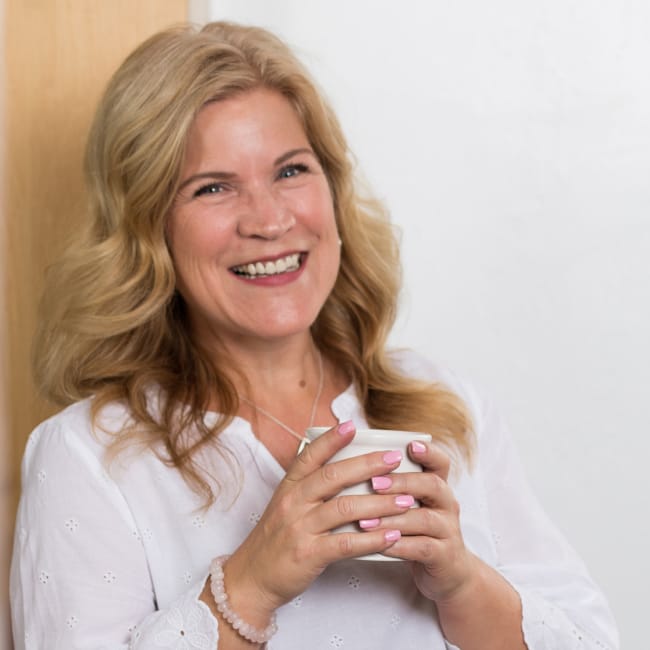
{"points": [[330, 479], [429, 488], [318, 452], [431, 457], [422, 522], [351, 508], [339, 546], [422, 549]]}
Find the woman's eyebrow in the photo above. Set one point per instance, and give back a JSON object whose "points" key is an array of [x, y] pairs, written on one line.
{"points": [[215, 176], [227, 176], [293, 152]]}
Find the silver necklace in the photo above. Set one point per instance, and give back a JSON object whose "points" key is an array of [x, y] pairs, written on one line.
{"points": [[303, 439]]}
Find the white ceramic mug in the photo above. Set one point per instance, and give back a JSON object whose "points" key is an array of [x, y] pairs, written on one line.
{"points": [[367, 441]]}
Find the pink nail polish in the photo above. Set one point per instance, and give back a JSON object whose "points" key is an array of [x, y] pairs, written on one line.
{"points": [[418, 447], [392, 535], [369, 523], [381, 482], [404, 501], [345, 427], [392, 457]]}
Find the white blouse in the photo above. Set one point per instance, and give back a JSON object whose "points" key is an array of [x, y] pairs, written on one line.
{"points": [[114, 555]]}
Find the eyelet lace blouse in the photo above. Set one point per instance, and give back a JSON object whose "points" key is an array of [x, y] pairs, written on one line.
{"points": [[115, 556]]}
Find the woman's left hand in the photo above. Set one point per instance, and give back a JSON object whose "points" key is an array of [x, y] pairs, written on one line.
{"points": [[431, 535]]}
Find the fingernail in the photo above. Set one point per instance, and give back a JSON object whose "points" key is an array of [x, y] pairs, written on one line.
{"points": [[404, 501], [345, 427], [369, 523], [392, 457], [392, 535], [418, 447], [381, 482]]}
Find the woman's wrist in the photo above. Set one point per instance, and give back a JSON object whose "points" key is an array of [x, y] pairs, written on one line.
{"points": [[473, 575], [239, 611], [486, 596]]}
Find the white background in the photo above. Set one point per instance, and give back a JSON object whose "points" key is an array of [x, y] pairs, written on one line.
{"points": [[511, 141]]}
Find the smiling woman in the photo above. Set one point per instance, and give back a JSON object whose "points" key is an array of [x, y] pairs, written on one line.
{"points": [[208, 316]]}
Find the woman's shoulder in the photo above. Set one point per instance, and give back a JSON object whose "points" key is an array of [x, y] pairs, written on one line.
{"points": [[76, 428], [79, 417]]}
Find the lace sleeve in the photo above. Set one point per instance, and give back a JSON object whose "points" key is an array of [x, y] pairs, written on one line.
{"points": [[188, 623]]}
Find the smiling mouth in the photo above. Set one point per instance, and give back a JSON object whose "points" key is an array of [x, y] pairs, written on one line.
{"points": [[284, 264]]}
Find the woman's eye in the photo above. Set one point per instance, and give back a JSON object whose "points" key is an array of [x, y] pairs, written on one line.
{"points": [[209, 189], [290, 171]]}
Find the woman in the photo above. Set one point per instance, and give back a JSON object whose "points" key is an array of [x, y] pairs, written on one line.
{"points": [[231, 290]]}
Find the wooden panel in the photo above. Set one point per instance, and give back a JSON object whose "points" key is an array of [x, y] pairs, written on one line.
{"points": [[58, 56]]}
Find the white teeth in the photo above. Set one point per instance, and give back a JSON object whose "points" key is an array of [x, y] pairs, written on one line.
{"points": [[282, 265]]}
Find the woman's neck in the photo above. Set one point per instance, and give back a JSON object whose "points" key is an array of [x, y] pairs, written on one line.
{"points": [[284, 388], [277, 368]]}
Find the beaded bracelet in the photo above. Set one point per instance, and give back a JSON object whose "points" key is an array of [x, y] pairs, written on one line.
{"points": [[242, 628]]}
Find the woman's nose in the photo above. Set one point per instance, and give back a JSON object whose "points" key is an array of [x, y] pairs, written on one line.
{"points": [[265, 215]]}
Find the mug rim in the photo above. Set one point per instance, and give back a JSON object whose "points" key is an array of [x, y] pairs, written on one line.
{"points": [[370, 435]]}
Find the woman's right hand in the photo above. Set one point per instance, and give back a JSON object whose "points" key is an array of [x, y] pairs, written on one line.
{"points": [[292, 543]]}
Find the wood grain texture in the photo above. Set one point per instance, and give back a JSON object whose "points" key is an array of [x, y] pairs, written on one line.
{"points": [[58, 56]]}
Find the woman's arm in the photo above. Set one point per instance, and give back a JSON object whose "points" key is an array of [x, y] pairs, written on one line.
{"points": [[292, 544], [80, 577], [485, 613], [81, 572], [477, 608], [562, 607], [538, 595]]}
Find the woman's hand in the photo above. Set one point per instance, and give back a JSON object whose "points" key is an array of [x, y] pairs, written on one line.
{"points": [[431, 534], [292, 543], [467, 592]]}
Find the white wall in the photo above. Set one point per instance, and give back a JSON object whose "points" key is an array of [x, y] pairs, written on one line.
{"points": [[511, 141]]}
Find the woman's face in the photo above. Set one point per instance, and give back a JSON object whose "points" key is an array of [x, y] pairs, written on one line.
{"points": [[252, 231]]}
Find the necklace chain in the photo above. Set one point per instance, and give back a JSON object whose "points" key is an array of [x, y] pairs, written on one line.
{"points": [[314, 406]]}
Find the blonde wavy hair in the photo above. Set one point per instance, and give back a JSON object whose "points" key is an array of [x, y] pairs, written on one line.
{"points": [[112, 325]]}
